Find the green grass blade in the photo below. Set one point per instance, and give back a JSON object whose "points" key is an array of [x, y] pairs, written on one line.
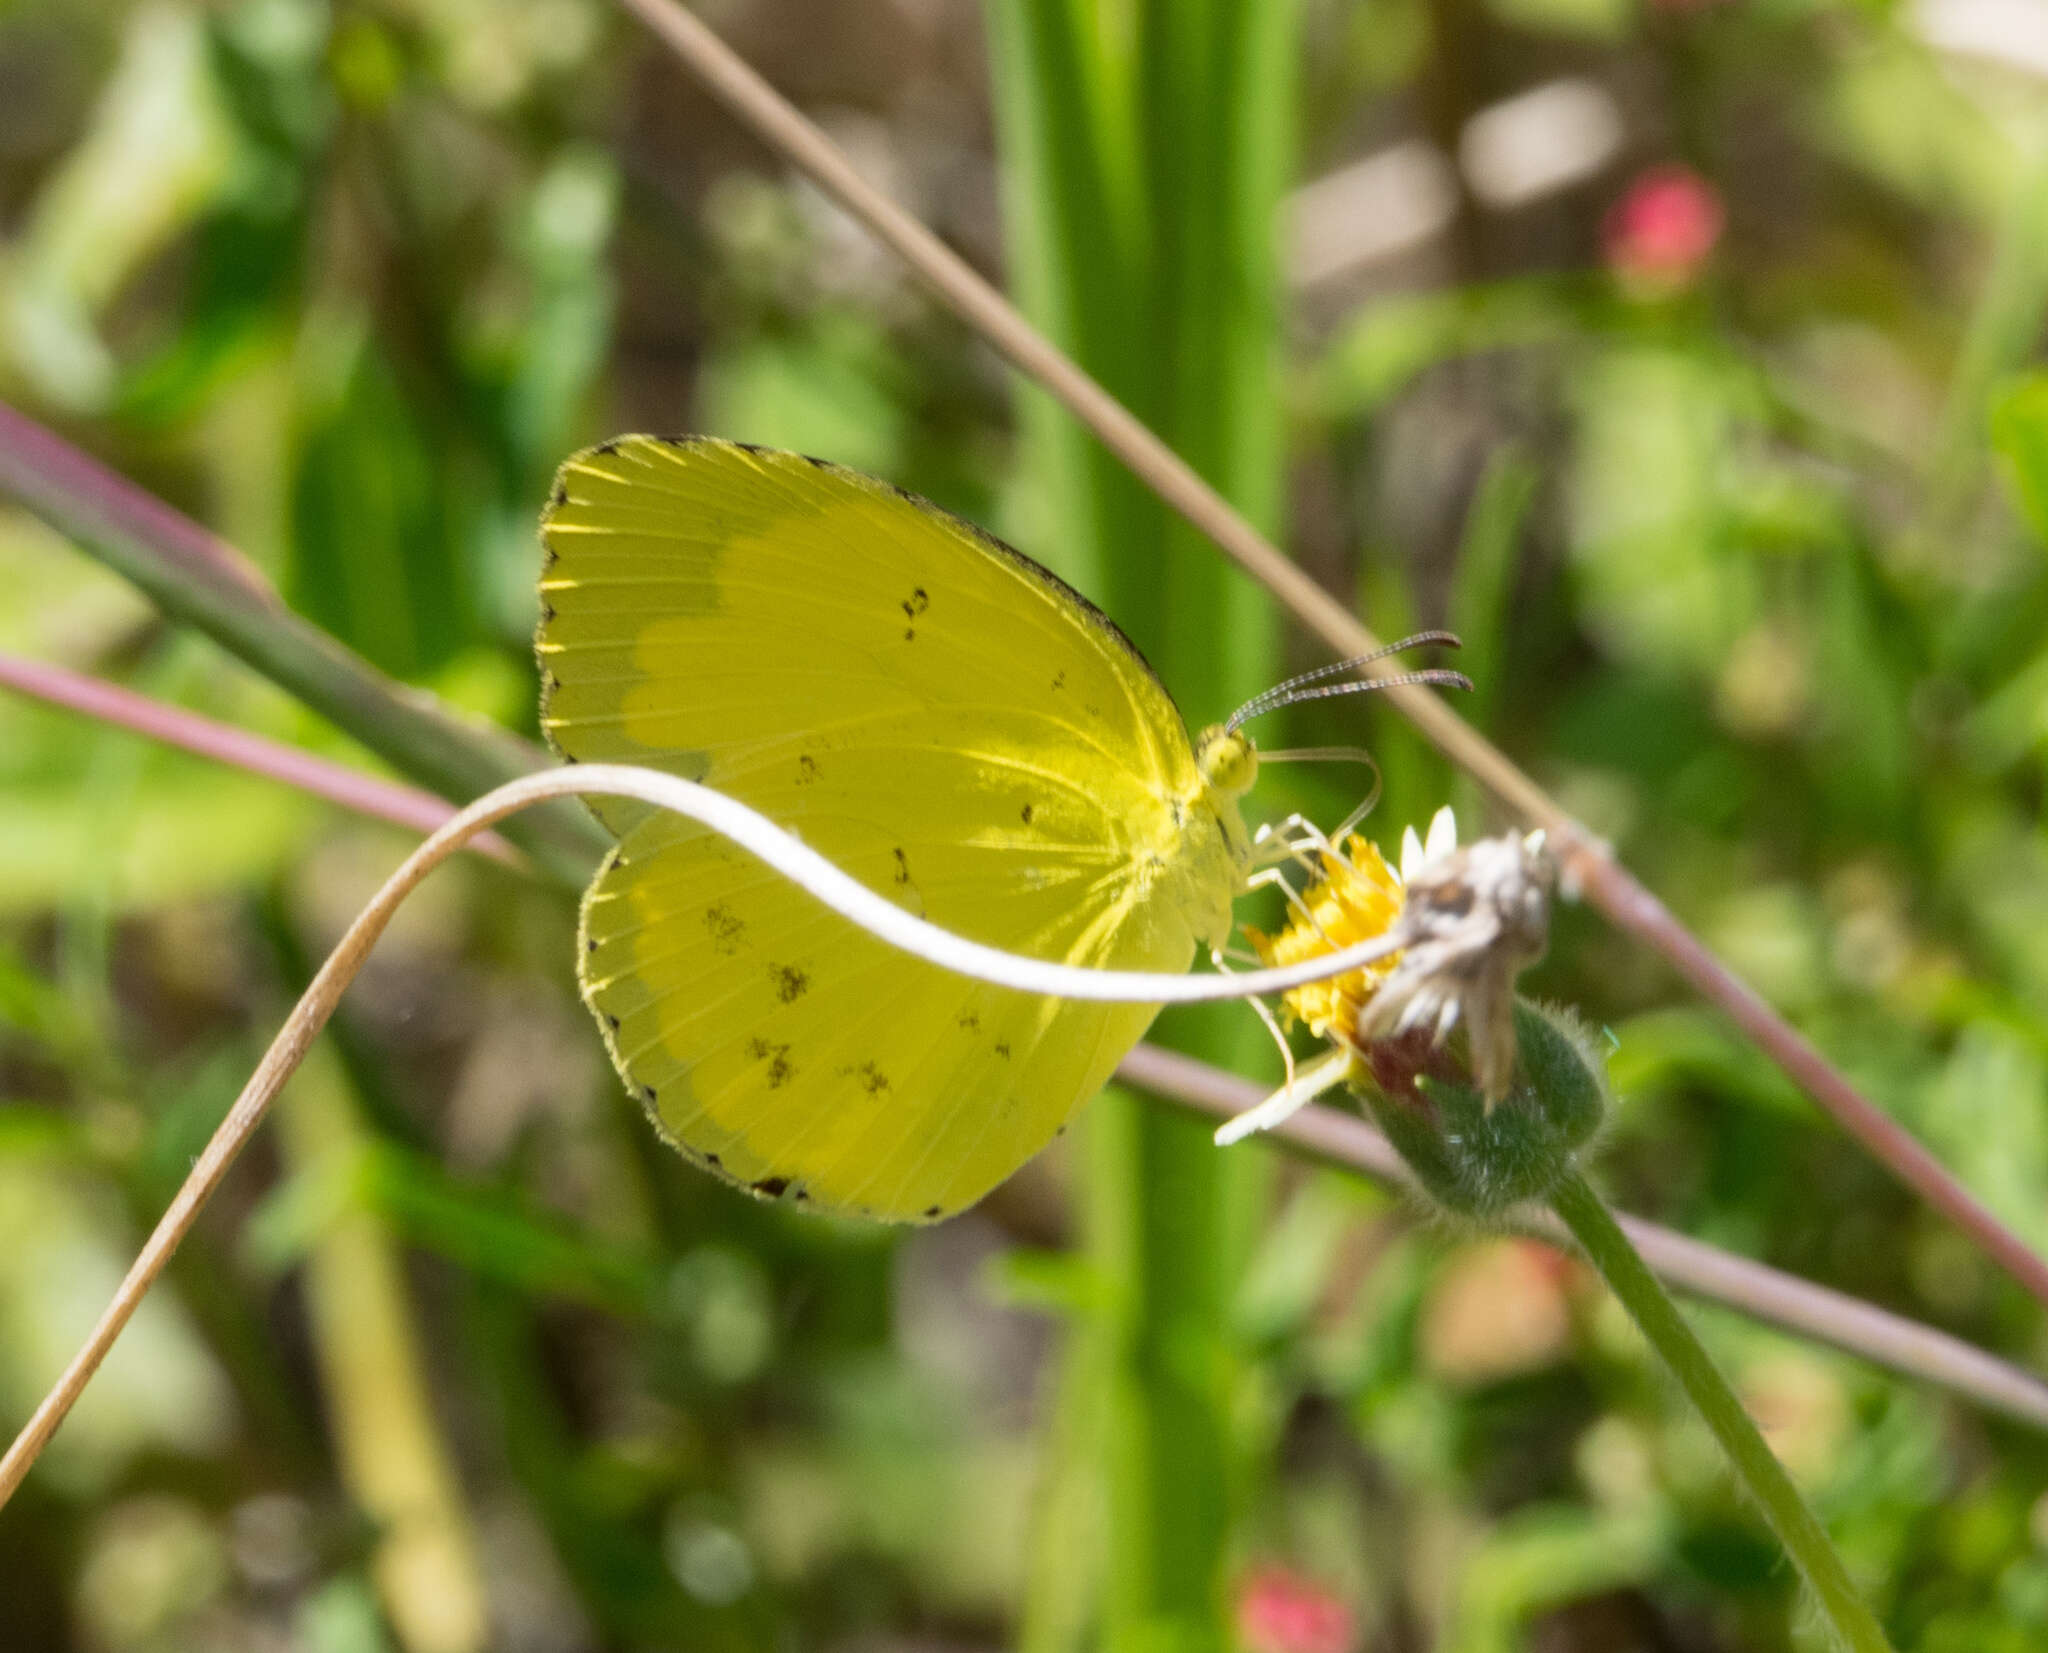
{"points": [[1146, 148]]}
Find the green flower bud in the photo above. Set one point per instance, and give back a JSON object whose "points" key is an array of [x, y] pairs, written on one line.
{"points": [[1474, 1159]]}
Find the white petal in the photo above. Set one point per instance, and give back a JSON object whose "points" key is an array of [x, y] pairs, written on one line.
{"points": [[1420, 1008], [1308, 1084], [1443, 833], [1411, 855], [1447, 1018]]}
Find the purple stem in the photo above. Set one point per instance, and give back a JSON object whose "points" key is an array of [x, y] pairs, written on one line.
{"points": [[174, 726]]}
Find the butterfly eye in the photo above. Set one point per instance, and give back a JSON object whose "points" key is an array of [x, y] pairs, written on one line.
{"points": [[1227, 760]]}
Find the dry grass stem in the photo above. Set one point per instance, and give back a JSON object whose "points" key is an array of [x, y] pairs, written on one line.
{"points": [[1586, 863]]}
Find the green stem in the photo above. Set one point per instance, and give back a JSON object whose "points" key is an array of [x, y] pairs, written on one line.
{"points": [[1791, 1518], [1146, 149]]}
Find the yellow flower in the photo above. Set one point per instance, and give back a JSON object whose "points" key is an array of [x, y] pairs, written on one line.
{"points": [[1358, 898], [1466, 922]]}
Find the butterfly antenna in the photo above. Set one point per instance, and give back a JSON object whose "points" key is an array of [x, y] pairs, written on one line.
{"points": [[1291, 693]]}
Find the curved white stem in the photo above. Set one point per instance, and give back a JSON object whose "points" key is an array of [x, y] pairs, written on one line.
{"points": [[888, 922]]}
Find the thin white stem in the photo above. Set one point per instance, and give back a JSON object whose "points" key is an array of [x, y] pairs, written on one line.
{"points": [[888, 922], [842, 893]]}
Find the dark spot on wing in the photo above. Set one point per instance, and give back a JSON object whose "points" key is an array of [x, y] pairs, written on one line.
{"points": [[590, 946], [817, 463], [772, 1187], [904, 493], [934, 1210], [806, 769], [1059, 681], [777, 1057], [872, 1079], [750, 447], [648, 1091], [1026, 814], [791, 983], [611, 1021], [607, 448], [726, 928], [673, 441], [713, 1159], [916, 603], [547, 611], [1003, 1050], [902, 866], [970, 1021], [561, 494]]}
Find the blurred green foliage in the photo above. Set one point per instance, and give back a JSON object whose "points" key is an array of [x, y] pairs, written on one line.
{"points": [[1750, 548]]}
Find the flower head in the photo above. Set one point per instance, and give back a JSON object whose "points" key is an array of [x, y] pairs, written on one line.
{"points": [[1357, 899], [1472, 919], [1468, 920]]}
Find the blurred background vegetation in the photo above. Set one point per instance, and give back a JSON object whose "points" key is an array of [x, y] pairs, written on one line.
{"points": [[1681, 354]]}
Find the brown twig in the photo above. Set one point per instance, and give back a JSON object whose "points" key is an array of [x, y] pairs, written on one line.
{"points": [[1587, 863], [1703, 1271], [382, 800], [279, 1062]]}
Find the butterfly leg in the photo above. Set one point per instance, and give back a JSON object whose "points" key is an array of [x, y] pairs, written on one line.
{"points": [[1288, 839], [1264, 1015], [1275, 878], [1365, 807]]}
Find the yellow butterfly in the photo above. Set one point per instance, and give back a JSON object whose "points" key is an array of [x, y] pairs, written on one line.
{"points": [[929, 709]]}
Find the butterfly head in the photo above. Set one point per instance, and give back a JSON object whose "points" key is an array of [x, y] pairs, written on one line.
{"points": [[1228, 760]]}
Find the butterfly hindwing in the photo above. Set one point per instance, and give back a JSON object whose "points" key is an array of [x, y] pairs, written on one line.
{"points": [[807, 1060]]}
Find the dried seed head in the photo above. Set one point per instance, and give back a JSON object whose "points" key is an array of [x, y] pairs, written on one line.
{"points": [[1472, 919]]}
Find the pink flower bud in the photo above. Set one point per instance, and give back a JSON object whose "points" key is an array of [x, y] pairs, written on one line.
{"points": [[1281, 1611], [1661, 230]]}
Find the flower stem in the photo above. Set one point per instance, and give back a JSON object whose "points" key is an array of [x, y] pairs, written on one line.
{"points": [[1791, 1518]]}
